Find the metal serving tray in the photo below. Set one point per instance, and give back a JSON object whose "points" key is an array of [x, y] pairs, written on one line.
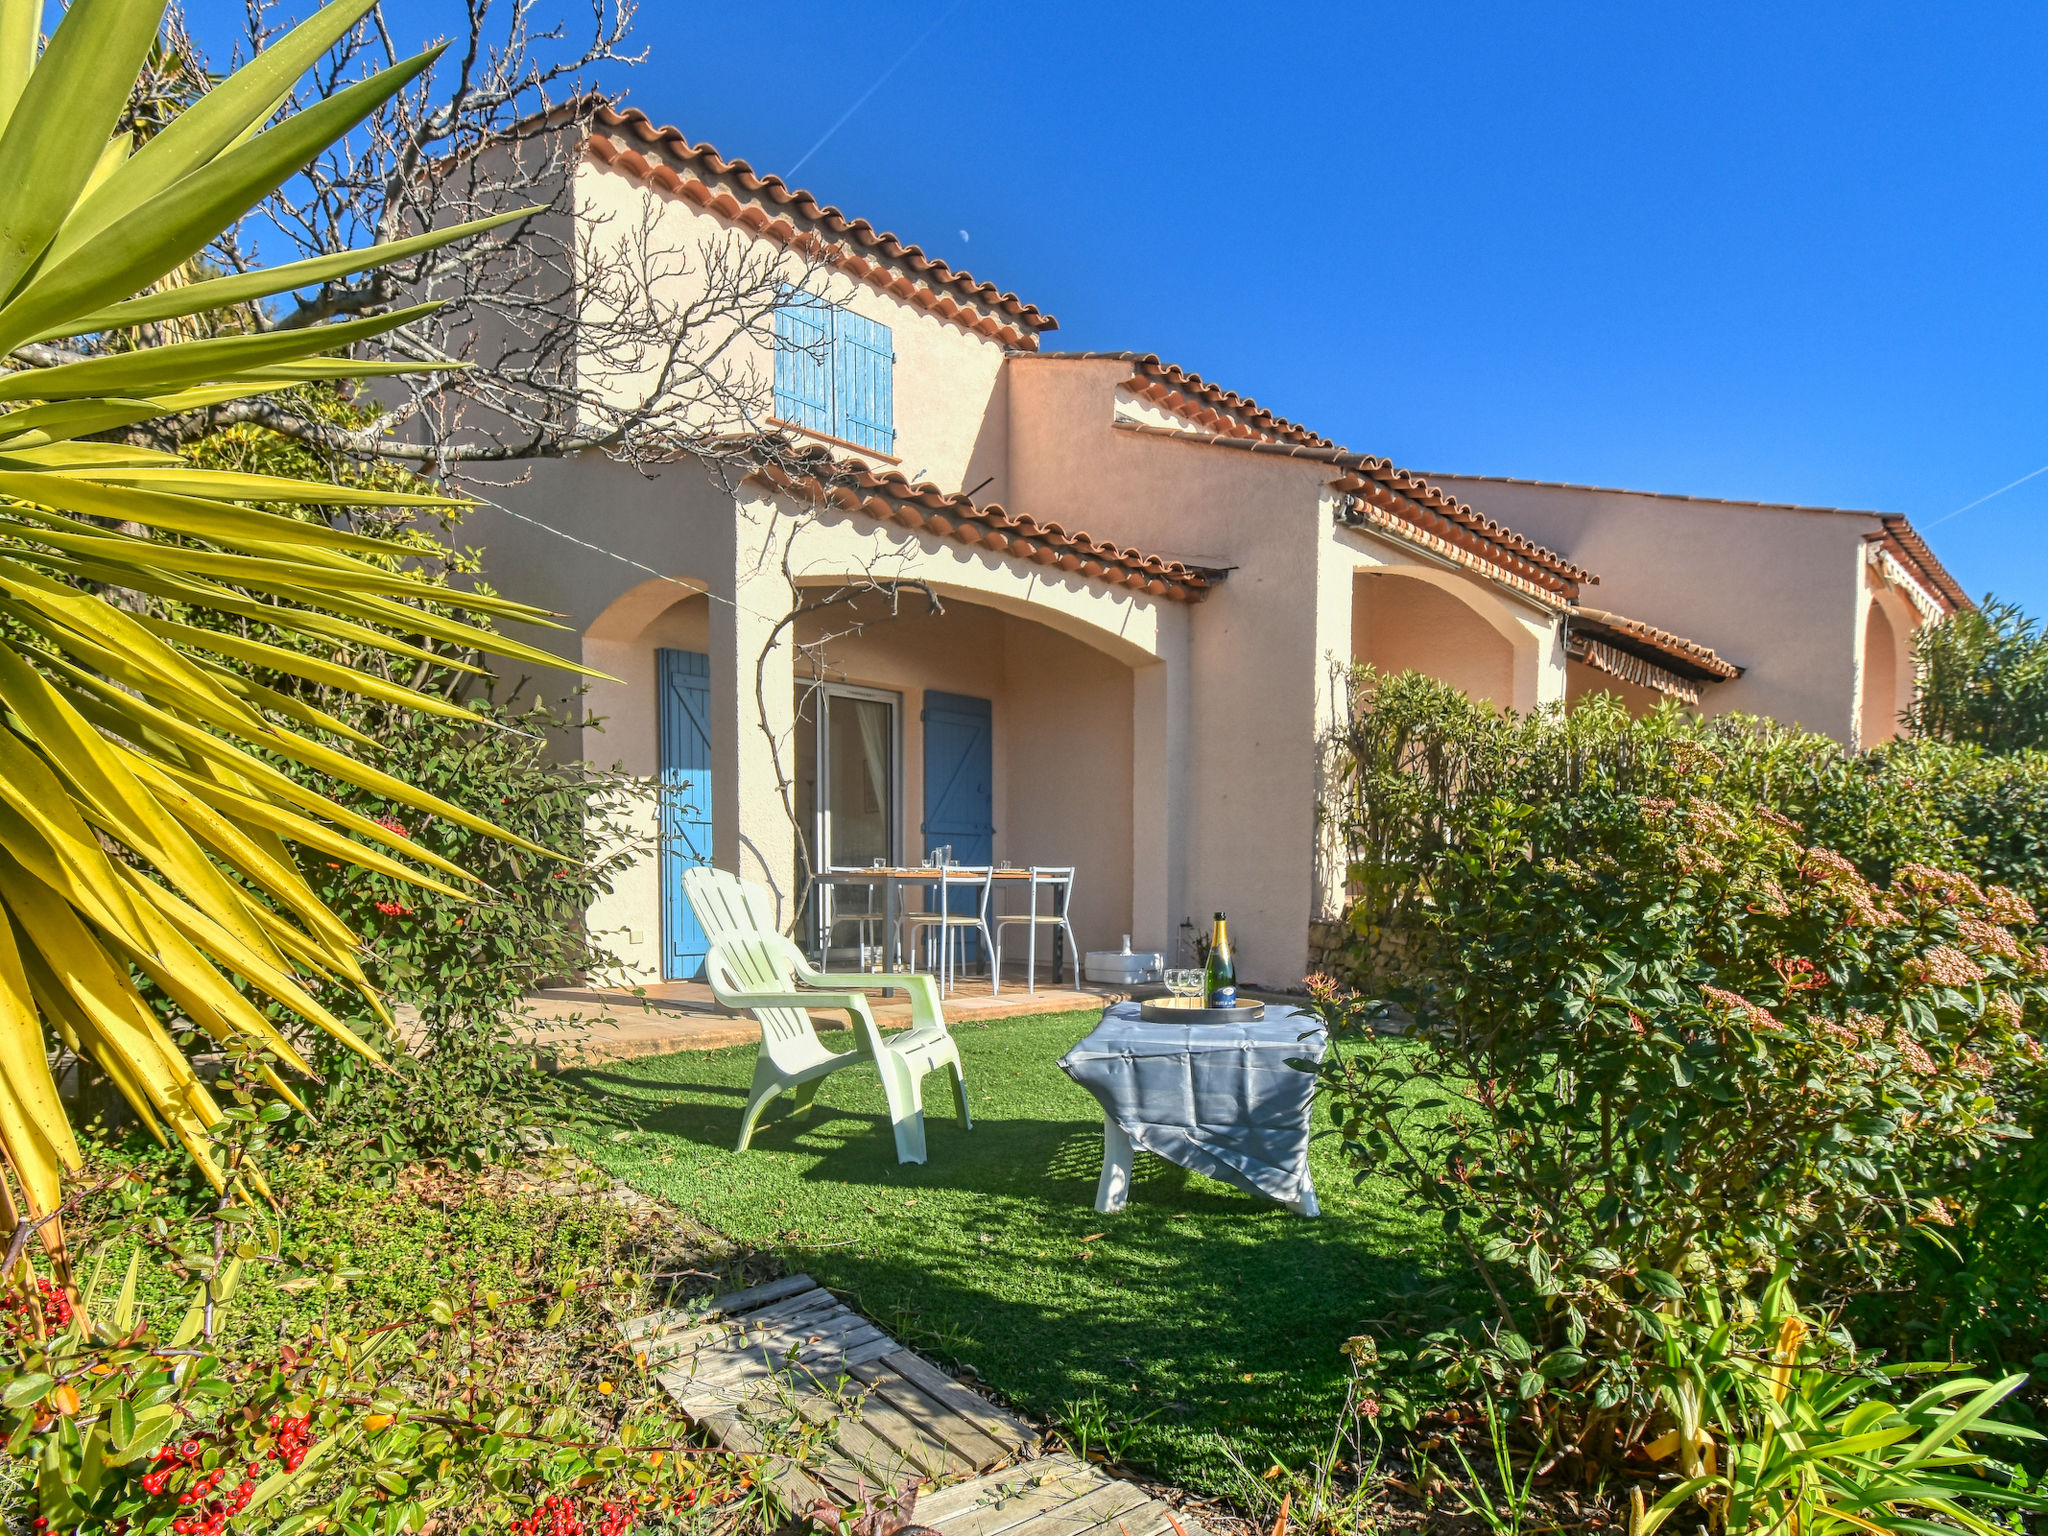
{"points": [[1179, 1010]]}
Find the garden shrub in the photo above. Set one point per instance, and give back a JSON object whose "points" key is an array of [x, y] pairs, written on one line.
{"points": [[1983, 679], [462, 1080], [1680, 1043], [227, 1367]]}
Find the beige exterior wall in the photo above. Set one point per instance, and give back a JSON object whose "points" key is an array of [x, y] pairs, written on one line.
{"points": [[1777, 591], [1266, 650], [947, 405], [1084, 679], [1401, 624], [1584, 682]]}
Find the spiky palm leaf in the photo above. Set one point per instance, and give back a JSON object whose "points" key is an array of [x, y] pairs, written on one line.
{"points": [[141, 833]]}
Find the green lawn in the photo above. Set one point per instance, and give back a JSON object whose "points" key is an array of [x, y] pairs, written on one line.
{"points": [[1214, 1317]]}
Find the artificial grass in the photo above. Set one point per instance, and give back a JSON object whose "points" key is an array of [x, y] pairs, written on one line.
{"points": [[1203, 1321]]}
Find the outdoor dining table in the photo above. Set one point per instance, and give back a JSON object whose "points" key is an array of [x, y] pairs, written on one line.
{"points": [[1221, 1099], [893, 878]]}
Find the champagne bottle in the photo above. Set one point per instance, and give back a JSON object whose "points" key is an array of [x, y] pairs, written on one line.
{"points": [[1219, 977]]}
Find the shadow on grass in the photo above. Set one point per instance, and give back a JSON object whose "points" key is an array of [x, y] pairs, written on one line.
{"points": [[1208, 1314]]}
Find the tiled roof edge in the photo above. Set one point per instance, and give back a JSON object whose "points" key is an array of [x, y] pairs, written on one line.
{"points": [[1910, 549], [1396, 493], [1674, 651], [932, 269], [1166, 377], [888, 496]]}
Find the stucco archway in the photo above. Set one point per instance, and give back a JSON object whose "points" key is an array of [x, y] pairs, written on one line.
{"points": [[1404, 620], [1886, 679]]}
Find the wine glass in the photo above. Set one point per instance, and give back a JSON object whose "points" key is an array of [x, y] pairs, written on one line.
{"points": [[1184, 983]]}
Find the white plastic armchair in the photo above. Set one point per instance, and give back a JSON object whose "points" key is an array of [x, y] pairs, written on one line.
{"points": [[753, 968]]}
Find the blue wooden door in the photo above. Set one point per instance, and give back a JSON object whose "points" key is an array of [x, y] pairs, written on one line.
{"points": [[959, 779], [683, 680]]}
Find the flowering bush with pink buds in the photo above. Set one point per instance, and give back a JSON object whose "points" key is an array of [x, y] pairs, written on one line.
{"points": [[1669, 1044]]}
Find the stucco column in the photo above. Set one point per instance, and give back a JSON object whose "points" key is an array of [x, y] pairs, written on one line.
{"points": [[753, 703], [1548, 684], [1160, 745]]}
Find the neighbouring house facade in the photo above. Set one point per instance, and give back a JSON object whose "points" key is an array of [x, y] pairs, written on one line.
{"points": [[1052, 608], [1816, 605]]}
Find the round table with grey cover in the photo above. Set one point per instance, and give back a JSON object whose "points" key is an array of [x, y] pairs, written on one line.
{"points": [[1226, 1100]]}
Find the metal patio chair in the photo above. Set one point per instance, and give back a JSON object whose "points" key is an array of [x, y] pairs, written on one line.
{"points": [[948, 927], [1059, 885]]}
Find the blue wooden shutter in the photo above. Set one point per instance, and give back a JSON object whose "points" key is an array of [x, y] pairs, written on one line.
{"points": [[959, 790], [863, 380], [684, 715], [804, 365]]}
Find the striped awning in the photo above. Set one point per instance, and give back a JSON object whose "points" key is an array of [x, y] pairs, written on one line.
{"points": [[1602, 657]]}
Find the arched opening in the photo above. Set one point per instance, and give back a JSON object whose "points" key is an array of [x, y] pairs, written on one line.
{"points": [[969, 726], [1878, 714], [1402, 623], [641, 919]]}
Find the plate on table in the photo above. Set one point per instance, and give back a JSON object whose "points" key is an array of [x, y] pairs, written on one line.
{"points": [[1189, 1010]]}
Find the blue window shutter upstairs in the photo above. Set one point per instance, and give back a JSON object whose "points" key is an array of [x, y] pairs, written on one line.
{"points": [[804, 361], [864, 368]]}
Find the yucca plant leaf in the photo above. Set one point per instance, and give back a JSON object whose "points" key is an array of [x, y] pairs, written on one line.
{"points": [[20, 29], [63, 119], [177, 224], [314, 670], [222, 292], [156, 370], [149, 845], [222, 118]]}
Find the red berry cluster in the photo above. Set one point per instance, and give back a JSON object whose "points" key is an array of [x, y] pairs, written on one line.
{"points": [[555, 1515], [394, 909], [294, 1439], [615, 1519], [56, 1308], [169, 1459], [207, 1515]]}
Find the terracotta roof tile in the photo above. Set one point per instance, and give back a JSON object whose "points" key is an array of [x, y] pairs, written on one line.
{"points": [[1686, 657], [777, 210], [888, 496], [1219, 410], [1902, 541], [1385, 496]]}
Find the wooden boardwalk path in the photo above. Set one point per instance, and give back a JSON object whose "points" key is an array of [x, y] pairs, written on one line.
{"points": [[787, 1370]]}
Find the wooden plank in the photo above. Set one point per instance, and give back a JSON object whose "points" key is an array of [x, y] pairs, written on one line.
{"points": [[962, 1438], [734, 1301], [1000, 1426], [731, 1376], [1057, 1470], [1157, 1519], [794, 1490], [1146, 1518], [864, 1463], [1094, 1510], [883, 1419], [1022, 1514], [759, 1295], [714, 1335], [811, 1303], [808, 1336]]}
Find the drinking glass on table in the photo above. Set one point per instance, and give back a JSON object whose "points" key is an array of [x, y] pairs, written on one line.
{"points": [[1184, 983]]}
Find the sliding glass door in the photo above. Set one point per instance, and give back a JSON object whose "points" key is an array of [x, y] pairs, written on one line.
{"points": [[857, 777], [849, 777]]}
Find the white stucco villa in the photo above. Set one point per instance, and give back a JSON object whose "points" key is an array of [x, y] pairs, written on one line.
{"points": [[1143, 583]]}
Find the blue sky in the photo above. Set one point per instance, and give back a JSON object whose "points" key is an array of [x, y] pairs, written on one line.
{"points": [[1761, 251]]}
